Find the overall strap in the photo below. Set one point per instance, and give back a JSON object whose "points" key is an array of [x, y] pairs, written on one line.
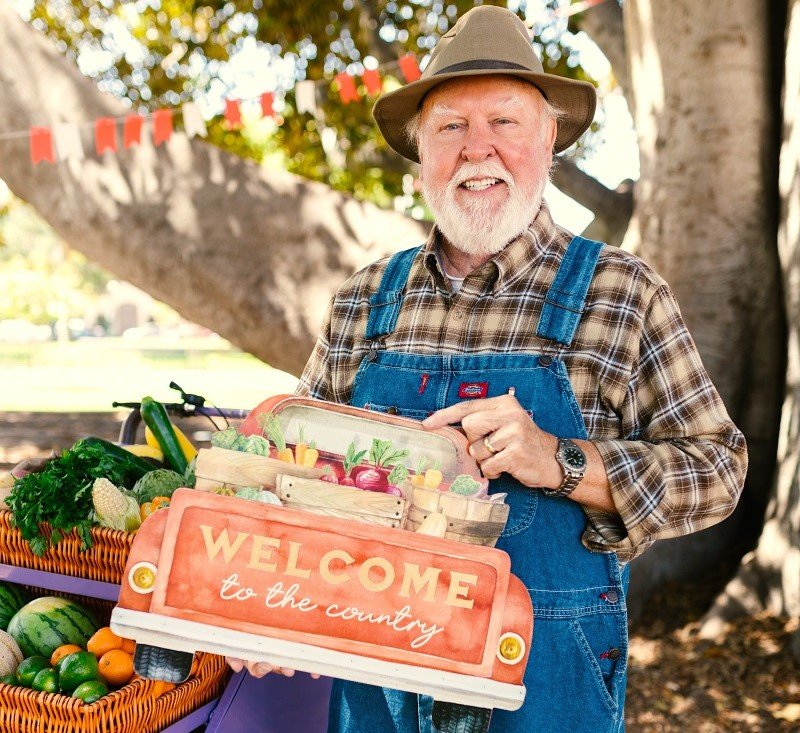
{"points": [[384, 305], [565, 299]]}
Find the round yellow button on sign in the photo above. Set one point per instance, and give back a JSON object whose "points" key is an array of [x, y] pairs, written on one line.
{"points": [[142, 577], [511, 648]]}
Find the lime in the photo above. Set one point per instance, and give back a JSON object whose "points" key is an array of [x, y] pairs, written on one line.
{"points": [[9, 679], [29, 668], [46, 680], [90, 691], [76, 668]]}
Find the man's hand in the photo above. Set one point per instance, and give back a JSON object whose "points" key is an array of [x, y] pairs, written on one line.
{"points": [[260, 669], [504, 439]]}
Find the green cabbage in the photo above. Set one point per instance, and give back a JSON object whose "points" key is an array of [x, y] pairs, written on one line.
{"points": [[465, 485], [227, 438], [255, 494], [256, 445]]}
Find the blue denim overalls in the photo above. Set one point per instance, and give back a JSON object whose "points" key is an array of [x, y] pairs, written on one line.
{"points": [[576, 675]]}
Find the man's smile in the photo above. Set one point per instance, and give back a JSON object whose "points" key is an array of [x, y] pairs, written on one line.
{"points": [[481, 184]]}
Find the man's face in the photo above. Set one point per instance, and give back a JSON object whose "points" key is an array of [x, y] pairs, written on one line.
{"points": [[485, 150]]}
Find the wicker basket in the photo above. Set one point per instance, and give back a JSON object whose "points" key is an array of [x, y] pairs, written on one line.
{"points": [[135, 708], [104, 560]]}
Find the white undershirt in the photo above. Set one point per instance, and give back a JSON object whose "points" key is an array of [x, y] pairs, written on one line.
{"points": [[455, 282]]}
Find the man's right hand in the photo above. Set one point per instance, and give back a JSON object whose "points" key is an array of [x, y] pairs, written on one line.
{"points": [[260, 669]]}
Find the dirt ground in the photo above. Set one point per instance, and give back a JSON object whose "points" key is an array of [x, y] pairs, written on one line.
{"points": [[746, 683]]}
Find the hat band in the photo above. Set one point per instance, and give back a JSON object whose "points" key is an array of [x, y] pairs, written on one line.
{"points": [[481, 64]]}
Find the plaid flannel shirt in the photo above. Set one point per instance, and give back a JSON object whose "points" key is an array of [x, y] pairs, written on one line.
{"points": [[675, 460]]}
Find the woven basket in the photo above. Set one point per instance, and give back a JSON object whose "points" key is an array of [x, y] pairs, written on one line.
{"points": [[475, 521], [135, 708], [104, 560]]}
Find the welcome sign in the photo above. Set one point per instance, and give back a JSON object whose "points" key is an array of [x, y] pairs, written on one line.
{"points": [[334, 583]]}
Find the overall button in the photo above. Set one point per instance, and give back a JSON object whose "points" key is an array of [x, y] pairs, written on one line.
{"points": [[611, 597], [613, 654], [545, 361], [391, 410]]}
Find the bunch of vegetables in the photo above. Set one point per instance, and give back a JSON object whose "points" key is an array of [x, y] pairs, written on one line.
{"points": [[96, 482]]}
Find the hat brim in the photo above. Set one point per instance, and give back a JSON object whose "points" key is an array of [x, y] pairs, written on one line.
{"points": [[577, 99]]}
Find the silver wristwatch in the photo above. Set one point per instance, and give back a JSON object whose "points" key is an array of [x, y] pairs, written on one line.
{"points": [[573, 462]]}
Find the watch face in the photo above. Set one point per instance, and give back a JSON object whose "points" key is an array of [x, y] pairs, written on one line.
{"points": [[573, 457]]}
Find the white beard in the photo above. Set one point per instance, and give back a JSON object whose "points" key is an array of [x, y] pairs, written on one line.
{"points": [[474, 228]]}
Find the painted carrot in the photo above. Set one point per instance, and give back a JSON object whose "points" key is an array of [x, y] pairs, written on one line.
{"points": [[310, 455], [418, 479], [301, 447], [433, 477]]}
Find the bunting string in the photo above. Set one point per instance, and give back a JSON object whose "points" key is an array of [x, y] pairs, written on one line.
{"points": [[64, 140]]}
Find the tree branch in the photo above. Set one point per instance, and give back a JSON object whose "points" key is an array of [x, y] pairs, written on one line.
{"points": [[603, 24], [612, 208]]}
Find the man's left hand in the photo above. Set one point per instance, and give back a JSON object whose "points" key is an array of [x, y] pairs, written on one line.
{"points": [[504, 439]]}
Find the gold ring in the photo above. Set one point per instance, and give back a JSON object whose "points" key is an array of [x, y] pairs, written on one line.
{"points": [[489, 446]]}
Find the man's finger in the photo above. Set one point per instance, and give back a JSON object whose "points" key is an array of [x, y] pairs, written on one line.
{"points": [[456, 413]]}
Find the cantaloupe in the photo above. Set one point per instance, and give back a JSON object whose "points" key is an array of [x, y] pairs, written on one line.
{"points": [[10, 654]]}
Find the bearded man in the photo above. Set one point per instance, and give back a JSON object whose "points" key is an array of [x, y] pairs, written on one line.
{"points": [[597, 418]]}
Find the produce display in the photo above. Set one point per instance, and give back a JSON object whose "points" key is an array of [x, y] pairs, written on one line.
{"points": [[53, 644]]}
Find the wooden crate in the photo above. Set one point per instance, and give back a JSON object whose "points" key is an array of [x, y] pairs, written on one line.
{"points": [[222, 467], [344, 502]]}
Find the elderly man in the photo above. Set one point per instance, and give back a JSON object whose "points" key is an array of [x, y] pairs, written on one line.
{"points": [[565, 362]]}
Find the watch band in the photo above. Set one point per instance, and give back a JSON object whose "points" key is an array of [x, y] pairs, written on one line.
{"points": [[572, 476]]}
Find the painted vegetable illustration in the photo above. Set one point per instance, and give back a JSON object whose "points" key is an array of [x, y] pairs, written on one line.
{"points": [[418, 479], [272, 427], [433, 476], [351, 459]]}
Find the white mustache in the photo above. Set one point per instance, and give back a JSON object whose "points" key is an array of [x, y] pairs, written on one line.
{"points": [[469, 171]]}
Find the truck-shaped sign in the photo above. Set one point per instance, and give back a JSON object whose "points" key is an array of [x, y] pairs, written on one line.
{"points": [[303, 584]]}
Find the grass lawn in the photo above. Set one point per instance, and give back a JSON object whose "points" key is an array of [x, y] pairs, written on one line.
{"points": [[88, 375]]}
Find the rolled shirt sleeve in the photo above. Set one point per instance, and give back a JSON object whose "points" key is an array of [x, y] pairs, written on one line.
{"points": [[680, 463]]}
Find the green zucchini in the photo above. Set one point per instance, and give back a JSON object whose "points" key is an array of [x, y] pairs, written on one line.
{"points": [[155, 417], [134, 465]]}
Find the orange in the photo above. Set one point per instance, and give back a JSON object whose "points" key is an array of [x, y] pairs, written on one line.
{"points": [[128, 645], [116, 667], [102, 641], [160, 687], [62, 651]]}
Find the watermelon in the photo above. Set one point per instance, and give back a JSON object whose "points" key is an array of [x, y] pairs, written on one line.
{"points": [[46, 623], [12, 598]]}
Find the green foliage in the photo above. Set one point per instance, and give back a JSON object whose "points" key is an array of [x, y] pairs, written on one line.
{"points": [[156, 53], [42, 280]]}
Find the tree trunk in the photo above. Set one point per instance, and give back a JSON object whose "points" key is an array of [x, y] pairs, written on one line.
{"points": [[250, 253], [704, 218], [769, 577]]}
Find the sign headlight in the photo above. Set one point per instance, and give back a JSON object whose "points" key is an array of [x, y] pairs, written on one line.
{"points": [[142, 577], [511, 648]]}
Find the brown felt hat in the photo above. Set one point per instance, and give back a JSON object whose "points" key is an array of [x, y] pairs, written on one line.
{"points": [[486, 40]]}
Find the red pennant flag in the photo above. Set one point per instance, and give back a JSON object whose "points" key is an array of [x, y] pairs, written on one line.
{"points": [[347, 88], [42, 145], [233, 113], [410, 67], [105, 135], [132, 130], [267, 100], [372, 81], [162, 126]]}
